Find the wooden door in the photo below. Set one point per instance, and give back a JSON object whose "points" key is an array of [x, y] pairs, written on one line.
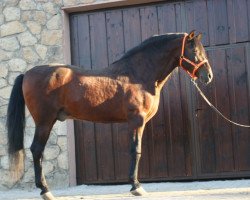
{"points": [[186, 139], [223, 149]]}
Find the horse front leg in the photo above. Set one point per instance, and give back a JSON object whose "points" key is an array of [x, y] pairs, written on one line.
{"points": [[135, 153]]}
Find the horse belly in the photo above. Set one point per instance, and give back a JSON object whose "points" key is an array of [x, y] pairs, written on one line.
{"points": [[109, 111]]}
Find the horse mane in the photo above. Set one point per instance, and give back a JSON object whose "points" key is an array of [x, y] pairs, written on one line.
{"points": [[150, 41]]}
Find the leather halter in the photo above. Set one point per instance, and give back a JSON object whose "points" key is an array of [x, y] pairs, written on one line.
{"points": [[196, 66]]}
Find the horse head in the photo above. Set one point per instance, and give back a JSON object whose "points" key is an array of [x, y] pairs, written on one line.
{"points": [[193, 58]]}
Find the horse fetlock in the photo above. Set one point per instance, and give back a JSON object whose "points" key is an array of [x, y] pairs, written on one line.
{"points": [[135, 186], [134, 182], [43, 187]]}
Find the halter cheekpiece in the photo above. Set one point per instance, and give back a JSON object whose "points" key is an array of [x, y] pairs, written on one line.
{"points": [[182, 57]]}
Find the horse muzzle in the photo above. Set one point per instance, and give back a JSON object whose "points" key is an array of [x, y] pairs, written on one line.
{"points": [[205, 74]]}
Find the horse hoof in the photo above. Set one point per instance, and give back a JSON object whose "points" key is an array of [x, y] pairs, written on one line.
{"points": [[138, 192], [48, 196]]}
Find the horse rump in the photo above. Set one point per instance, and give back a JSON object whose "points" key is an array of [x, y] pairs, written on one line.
{"points": [[15, 128]]}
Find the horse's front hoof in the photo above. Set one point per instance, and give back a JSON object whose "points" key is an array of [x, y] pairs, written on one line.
{"points": [[138, 191], [48, 196]]}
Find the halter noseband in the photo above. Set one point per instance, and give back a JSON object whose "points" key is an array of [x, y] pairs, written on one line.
{"points": [[196, 66]]}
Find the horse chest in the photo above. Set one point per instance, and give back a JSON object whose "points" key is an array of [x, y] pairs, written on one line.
{"points": [[143, 102], [153, 107]]}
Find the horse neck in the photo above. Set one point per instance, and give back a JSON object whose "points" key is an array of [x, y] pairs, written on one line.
{"points": [[154, 66], [169, 62]]}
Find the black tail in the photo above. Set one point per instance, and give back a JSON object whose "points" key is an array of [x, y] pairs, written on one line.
{"points": [[16, 122]]}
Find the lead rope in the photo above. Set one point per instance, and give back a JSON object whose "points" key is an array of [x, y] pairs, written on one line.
{"points": [[215, 109]]}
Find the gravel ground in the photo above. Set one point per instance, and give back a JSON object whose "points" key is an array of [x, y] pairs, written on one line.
{"points": [[207, 190]]}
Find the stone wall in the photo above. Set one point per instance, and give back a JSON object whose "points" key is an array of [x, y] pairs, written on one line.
{"points": [[30, 35]]}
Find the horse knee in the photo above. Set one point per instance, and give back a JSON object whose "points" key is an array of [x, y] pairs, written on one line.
{"points": [[136, 121], [139, 121]]}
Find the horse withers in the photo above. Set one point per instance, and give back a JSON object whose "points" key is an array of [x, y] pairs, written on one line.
{"points": [[126, 91]]}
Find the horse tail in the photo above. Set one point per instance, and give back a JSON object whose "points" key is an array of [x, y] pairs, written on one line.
{"points": [[15, 128]]}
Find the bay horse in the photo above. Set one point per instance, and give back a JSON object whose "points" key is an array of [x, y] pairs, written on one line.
{"points": [[126, 91]]}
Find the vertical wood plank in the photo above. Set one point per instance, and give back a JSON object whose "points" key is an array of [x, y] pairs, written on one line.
{"points": [[98, 40], [99, 54], [80, 163], [88, 140], [188, 130], [89, 149], [122, 149], [84, 42], [74, 40]]}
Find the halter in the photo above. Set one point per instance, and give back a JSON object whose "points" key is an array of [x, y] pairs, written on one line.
{"points": [[196, 66]]}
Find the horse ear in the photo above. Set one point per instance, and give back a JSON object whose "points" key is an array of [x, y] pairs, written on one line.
{"points": [[199, 36], [191, 35]]}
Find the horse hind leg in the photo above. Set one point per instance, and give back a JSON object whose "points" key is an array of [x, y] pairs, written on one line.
{"points": [[42, 133]]}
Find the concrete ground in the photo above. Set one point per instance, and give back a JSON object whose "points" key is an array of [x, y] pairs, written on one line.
{"points": [[207, 190]]}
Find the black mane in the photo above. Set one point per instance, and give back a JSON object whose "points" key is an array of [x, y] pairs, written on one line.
{"points": [[156, 39]]}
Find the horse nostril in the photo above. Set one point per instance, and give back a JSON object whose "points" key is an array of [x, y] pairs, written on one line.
{"points": [[209, 76]]}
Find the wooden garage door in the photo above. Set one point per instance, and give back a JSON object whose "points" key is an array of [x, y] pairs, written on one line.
{"points": [[185, 140]]}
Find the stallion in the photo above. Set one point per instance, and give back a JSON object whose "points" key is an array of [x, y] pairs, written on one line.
{"points": [[126, 91]]}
